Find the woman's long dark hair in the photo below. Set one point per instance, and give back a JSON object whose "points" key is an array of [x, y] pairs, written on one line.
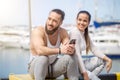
{"points": [[87, 39]]}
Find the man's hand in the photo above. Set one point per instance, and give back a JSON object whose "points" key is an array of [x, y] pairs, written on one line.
{"points": [[68, 49]]}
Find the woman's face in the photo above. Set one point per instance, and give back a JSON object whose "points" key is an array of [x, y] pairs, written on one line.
{"points": [[82, 21]]}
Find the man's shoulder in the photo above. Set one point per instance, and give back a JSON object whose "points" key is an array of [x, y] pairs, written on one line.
{"points": [[38, 29], [62, 30]]}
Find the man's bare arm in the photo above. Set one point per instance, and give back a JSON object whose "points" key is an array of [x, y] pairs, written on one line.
{"points": [[39, 44], [64, 36]]}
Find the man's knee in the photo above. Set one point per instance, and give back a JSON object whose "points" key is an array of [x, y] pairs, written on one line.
{"points": [[43, 60], [69, 58]]}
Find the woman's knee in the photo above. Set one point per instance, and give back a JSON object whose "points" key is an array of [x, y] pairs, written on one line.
{"points": [[98, 61], [101, 61]]}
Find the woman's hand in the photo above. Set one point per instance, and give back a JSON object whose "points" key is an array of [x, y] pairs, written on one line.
{"points": [[108, 65], [85, 76]]}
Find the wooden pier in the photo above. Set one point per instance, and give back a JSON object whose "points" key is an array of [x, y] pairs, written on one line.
{"points": [[112, 76]]}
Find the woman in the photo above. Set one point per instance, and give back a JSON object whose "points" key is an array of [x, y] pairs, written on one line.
{"points": [[89, 68]]}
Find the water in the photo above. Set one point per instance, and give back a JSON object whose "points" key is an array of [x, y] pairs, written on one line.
{"points": [[14, 60]]}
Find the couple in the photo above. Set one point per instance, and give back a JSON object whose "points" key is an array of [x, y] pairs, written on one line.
{"points": [[48, 42]]}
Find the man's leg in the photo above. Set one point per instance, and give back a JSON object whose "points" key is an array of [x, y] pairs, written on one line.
{"points": [[39, 67], [66, 64]]}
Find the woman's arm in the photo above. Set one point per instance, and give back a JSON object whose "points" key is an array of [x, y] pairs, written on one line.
{"points": [[74, 34], [95, 50], [100, 54], [80, 62], [108, 63]]}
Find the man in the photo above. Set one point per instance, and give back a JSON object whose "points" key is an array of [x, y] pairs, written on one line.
{"points": [[45, 47]]}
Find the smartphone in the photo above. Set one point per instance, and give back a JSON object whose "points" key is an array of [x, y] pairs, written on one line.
{"points": [[73, 41]]}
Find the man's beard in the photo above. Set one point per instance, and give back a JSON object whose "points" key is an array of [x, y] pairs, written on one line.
{"points": [[50, 32]]}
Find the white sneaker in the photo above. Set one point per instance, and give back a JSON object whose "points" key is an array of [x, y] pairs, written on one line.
{"points": [[92, 76]]}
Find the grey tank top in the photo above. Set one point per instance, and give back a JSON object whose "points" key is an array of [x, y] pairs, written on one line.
{"points": [[53, 57]]}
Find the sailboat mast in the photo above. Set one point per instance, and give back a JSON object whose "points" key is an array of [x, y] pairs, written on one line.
{"points": [[29, 13], [95, 14]]}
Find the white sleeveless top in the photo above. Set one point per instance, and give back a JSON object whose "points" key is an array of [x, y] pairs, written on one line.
{"points": [[53, 57]]}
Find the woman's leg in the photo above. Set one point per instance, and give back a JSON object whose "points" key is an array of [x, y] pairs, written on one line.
{"points": [[95, 65], [92, 76]]}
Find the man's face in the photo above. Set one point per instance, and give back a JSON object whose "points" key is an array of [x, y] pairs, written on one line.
{"points": [[53, 23]]}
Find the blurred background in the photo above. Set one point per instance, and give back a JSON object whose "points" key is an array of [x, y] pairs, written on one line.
{"points": [[19, 17]]}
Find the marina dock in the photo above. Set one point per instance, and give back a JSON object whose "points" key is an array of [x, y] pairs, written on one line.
{"points": [[112, 76]]}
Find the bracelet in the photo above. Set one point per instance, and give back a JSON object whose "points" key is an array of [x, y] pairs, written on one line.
{"points": [[59, 50]]}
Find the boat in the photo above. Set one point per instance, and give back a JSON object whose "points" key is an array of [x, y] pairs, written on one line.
{"points": [[10, 41], [106, 39], [12, 37], [105, 23], [25, 42], [108, 44]]}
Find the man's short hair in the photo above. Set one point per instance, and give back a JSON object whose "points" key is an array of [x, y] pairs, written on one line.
{"points": [[59, 11]]}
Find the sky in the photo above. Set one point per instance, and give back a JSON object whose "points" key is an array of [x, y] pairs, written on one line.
{"points": [[15, 12]]}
